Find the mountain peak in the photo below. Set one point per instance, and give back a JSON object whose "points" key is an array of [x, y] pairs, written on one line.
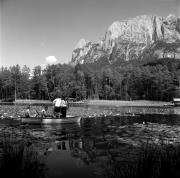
{"points": [[130, 39], [171, 19], [82, 43]]}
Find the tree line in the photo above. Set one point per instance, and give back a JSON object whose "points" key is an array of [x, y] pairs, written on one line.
{"points": [[154, 79]]}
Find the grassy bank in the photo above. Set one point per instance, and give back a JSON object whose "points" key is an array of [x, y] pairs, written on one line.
{"points": [[19, 160], [153, 161]]}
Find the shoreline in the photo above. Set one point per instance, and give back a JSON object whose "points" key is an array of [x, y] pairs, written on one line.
{"points": [[94, 102], [119, 103]]}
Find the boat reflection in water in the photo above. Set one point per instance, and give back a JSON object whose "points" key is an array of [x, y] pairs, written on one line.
{"points": [[61, 159]]}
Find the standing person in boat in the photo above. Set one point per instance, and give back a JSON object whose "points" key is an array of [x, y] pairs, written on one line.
{"points": [[57, 107], [63, 107]]}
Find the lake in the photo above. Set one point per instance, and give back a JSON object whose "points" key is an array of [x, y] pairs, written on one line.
{"points": [[92, 148]]}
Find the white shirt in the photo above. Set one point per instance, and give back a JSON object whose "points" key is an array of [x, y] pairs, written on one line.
{"points": [[57, 102], [63, 103]]}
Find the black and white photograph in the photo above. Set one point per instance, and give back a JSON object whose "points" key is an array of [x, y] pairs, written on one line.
{"points": [[90, 88]]}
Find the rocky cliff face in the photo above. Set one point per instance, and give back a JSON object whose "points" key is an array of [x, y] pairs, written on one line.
{"points": [[131, 39]]}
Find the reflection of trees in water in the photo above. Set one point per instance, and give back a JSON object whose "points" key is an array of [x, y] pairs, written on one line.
{"points": [[98, 140], [77, 150], [104, 154], [114, 160], [113, 153], [95, 149]]}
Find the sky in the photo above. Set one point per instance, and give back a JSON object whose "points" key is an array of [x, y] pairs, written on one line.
{"points": [[40, 32]]}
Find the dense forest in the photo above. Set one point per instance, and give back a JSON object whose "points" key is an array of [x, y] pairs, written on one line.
{"points": [[155, 79]]}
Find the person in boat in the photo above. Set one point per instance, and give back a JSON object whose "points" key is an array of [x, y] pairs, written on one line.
{"points": [[63, 107], [45, 112], [57, 107], [27, 112]]}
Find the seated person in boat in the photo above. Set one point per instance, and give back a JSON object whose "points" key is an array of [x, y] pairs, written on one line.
{"points": [[63, 107], [57, 105], [27, 112], [45, 112]]}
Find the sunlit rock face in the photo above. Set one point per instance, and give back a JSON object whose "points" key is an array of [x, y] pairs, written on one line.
{"points": [[80, 51], [131, 39], [87, 52]]}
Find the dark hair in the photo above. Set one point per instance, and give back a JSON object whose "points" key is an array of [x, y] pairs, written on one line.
{"points": [[45, 106]]}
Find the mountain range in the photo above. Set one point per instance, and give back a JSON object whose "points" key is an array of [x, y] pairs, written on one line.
{"points": [[137, 38]]}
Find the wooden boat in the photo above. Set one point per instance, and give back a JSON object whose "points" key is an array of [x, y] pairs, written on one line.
{"points": [[50, 120]]}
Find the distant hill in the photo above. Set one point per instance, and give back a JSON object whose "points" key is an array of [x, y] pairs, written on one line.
{"points": [[139, 38]]}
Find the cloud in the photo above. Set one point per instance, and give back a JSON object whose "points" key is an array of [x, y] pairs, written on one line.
{"points": [[51, 60]]}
